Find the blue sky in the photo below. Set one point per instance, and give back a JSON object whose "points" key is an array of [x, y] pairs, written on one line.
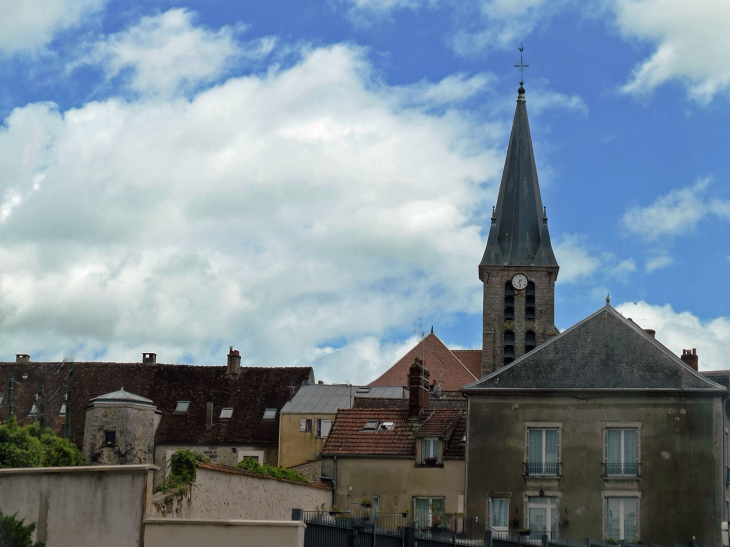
{"points": [[310, 181]]}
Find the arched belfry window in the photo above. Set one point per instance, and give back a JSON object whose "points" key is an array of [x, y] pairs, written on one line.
{"points": [[530, 301], [509, 301], [529, 341], [509, 346]]}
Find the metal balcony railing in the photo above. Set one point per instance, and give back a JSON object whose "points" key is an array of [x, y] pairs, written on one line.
{"points": [[542, 469], [621, 469]]}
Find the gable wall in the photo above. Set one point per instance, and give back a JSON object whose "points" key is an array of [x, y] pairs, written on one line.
{"points": [[682, 487]]}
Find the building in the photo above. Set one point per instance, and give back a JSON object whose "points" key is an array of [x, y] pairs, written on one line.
{"points": [[226, 412], [406, 456], [306, 420]]}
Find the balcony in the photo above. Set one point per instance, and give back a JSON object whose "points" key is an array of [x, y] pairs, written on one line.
{"points": [[541, 469], [621, 470]]}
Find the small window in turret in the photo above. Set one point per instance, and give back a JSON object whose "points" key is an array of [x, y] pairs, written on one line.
{"points": [[509, 301], [509, 346], [530, 301]]}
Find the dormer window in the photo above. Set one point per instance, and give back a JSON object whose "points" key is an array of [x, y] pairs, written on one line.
{"points": [[62, 412], [371, 425], [226, 413], [270, 414], [182, 407], [430, 451], [33, 411]]}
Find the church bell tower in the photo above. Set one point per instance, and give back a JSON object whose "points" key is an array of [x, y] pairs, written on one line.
{"points": [[518, 268]]}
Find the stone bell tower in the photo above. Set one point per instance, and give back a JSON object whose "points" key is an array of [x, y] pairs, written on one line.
{"points": [[518, 268]]}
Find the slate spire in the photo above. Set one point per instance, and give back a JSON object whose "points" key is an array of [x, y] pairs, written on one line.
{"points": [[519, 233]]}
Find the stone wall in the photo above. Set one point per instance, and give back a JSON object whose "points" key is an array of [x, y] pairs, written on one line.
{"points": [[311, 470], [227, 493], [242, 533], [80, 506], [134, 426]]}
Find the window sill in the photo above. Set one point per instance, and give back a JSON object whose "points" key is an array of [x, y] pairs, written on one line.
{"points": [[437, 465], [554, 477], [621, 477]]}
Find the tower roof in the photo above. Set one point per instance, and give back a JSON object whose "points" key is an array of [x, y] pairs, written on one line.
{"points": [[519, 234]]}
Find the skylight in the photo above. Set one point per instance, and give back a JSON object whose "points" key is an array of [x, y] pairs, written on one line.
{"points": [[226, 413], [363, 390], [182, 407], [463, 437], [1, 399], [386, 426], [270, 414], [371, 425], [33, 410], [62, 412]]}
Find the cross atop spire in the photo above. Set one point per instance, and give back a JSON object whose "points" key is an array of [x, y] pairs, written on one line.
{"points": [[522, 66]]}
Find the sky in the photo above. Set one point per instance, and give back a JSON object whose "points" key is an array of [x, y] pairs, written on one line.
{"points": [[311, 182]]}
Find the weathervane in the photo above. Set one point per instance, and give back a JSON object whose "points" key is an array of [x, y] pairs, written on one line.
{"points": [[522, 66]]}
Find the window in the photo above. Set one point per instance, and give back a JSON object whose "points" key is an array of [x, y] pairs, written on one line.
{"points": [[622, 518], [257, 456], [1, 399], [182, 407], [376, 505], [499, 514], [363, 390], [110, 438], [622, 452], [425, 509], [62, 412], [323, 428], [509, 301], [226, 413], [371, 425], [530, 301], [542, 452], [509, 347], [33, 410], [270, 414], [463, 437], [305, 425], [430, 450], [542, 515], [386, 426], [529, 341]]}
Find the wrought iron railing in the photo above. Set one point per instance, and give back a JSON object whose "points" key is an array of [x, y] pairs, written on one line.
{"points": [[621, 469], [542, 469]]}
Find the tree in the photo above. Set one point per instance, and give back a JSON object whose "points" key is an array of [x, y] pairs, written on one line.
{"points": [[15, 533], [34, 446]]}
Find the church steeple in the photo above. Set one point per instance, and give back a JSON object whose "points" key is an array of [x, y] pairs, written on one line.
{"points": [[519, 233]]}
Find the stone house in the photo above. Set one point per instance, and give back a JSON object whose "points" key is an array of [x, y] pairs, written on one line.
{"points": [[404, 456]]}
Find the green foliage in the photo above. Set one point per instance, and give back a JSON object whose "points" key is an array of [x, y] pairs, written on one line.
{"points": [[183, 466], [15, 533], [249, 464], [33, 446]]}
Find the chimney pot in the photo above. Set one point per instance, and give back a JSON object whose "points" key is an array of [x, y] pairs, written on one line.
{"points": [[690, 357], [22, 358], [234, 362], [150, 358]]}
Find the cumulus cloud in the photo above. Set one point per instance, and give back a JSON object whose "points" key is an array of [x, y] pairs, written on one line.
{"points": [[168, 53], [31, 24], [299, 214], [682, 330], [658, 262], [575, 260], [675, 213]]}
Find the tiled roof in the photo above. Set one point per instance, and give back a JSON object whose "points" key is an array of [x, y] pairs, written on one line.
{"points": [[121, 396], [443, 365], [328, 398], [471, 358], [605, 351], [347, 435], [249, 392]]}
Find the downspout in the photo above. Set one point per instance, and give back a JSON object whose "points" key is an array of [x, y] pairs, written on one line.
{"points": [[466, 453], [334, 484]]}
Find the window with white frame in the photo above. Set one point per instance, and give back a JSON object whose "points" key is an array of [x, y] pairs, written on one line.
{"points": [[499, 514], [430, 450], [376, 505], [622, 518], [622, 452], [542, 514], [256, 455], [323, 428], [428, 511], [542, 451], [305, 425]]}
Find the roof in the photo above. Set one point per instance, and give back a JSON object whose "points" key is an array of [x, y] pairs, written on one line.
{"points": [[471, 359], [249, 392], [121, 396], [329, 398], [347, 436], [518, 235], [604, 351], [443, 364]]}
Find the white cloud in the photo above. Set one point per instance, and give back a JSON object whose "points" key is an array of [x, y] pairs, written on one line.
{"points": [[31, 24], [276, 212], [658, 262], [682, 330], [676, 213], [575, 260], [168, 53]]}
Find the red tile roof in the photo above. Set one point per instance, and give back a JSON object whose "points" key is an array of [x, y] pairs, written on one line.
{"points": [[444, 366], [472, 359]]}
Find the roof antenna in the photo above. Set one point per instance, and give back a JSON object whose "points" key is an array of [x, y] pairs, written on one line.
{"points": [[522, 66]]}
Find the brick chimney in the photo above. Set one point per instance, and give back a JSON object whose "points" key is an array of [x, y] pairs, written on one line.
{"points": [[418, 386], [234, 361], [149, 358], [22, 358], [650, 332], [690, 357]]}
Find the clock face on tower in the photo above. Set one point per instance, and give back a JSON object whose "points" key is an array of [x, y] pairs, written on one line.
{"points": [[519, 281]]}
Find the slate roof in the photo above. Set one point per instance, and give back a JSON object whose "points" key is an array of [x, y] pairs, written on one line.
{"points": [[347, 436], [518, 235], [605, 351], [328, 398], [444, 366], [249, 392], [121, 396]]}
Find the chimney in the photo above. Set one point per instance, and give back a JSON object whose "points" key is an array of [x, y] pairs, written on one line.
{"points": [[149, 358], [209, 414], [418, 387], [650, 332], [22, 358], [690, 357], [234, 361]]}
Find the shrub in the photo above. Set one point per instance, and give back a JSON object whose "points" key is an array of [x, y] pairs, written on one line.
{"points": [[15, 533], [183, 466], [34, 446], [249, 464]]}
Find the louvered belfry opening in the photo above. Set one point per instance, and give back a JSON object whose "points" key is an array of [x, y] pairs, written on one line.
{"points": [[530, 301], [509, 301], [509, 347], [529, 341]]}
